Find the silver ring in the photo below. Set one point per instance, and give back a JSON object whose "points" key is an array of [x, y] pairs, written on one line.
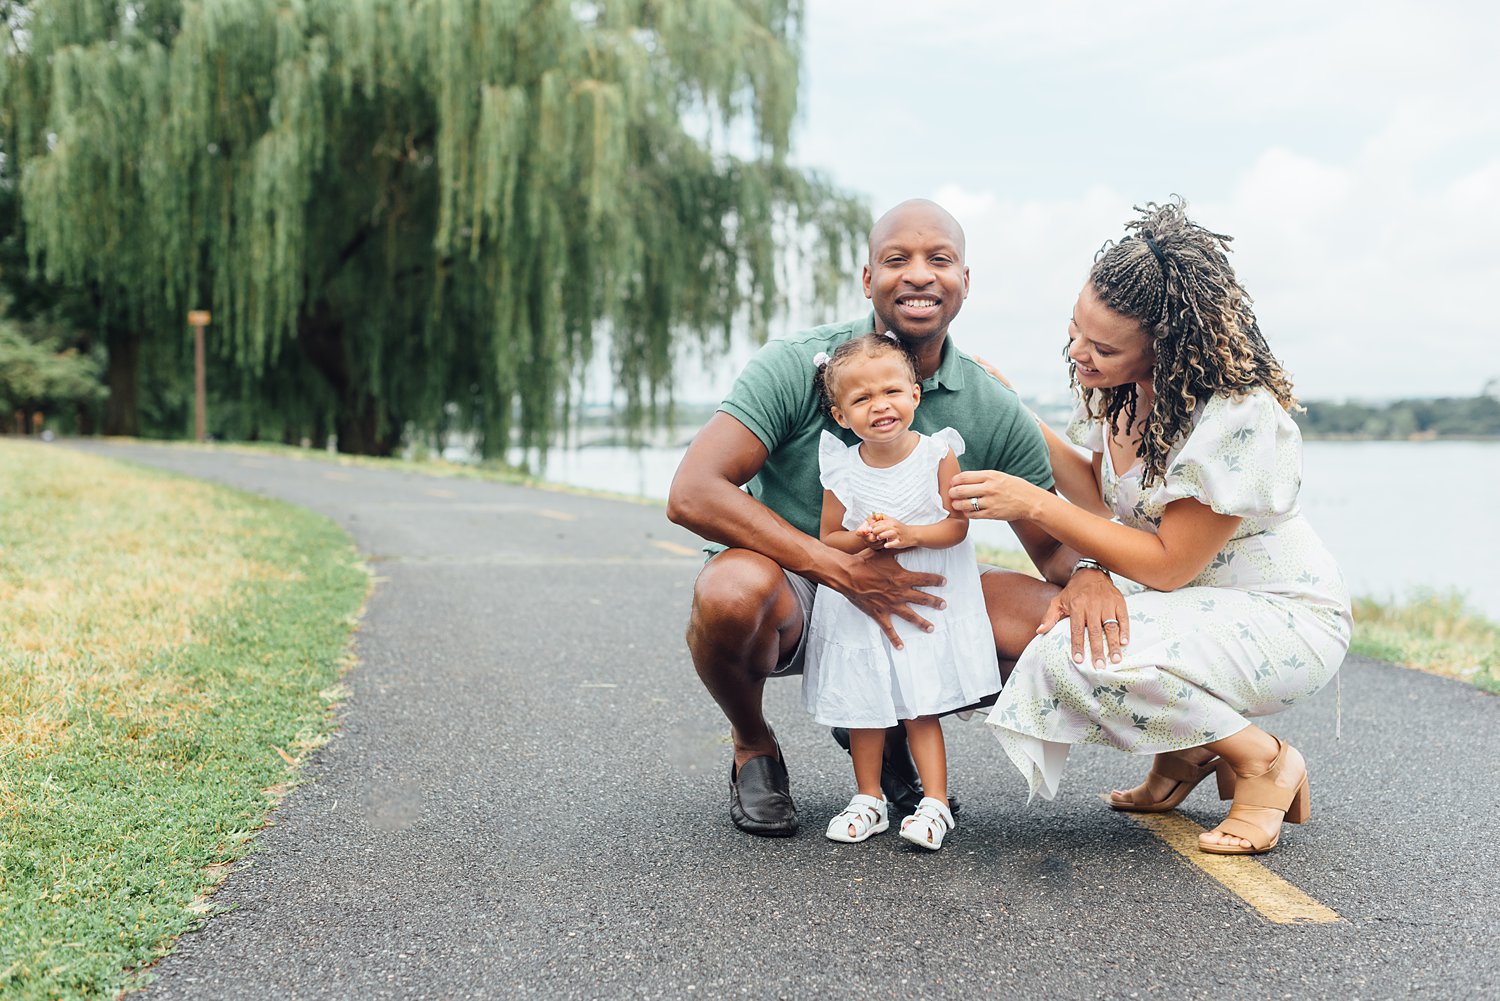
{"points": [[1109, 622], [973, 503]]}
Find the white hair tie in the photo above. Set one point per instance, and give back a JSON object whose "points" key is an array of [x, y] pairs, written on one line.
{"points": [[820, 359]]}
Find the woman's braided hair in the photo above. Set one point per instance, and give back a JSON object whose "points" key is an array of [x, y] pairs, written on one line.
{"points": [[1174, 277], [865, 345]]}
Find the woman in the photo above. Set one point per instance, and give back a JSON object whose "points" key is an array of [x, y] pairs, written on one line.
{"points": [[1237, 609]]}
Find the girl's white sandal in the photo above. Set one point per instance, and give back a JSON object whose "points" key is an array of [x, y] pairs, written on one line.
{"points": [[929, 825], [865, 815]]}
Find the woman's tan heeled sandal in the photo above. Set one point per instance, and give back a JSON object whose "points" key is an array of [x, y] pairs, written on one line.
{"points": [[1185, 774], [1259, 797]]}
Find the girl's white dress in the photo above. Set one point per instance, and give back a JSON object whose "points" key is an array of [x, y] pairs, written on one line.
{"points": [[853, 676], [1263, 627]]}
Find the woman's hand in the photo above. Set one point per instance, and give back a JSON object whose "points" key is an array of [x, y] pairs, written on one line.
{"points": [[999, 495], [993, 371], [1095, 609]]}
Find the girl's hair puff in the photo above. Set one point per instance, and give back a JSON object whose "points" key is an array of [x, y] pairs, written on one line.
{"points": [[864, 346], [1174, 278]]}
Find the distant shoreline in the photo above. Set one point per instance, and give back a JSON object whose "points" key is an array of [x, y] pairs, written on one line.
{"points": [[1419, 438]]}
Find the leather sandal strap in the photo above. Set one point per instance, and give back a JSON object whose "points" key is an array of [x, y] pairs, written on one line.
{"points": [[1264, 794], [1238, 827], [1181, 770]]}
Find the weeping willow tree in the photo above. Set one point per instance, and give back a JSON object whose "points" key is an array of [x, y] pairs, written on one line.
{"points": [[403, 210]]}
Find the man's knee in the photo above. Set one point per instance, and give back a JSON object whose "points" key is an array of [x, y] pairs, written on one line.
{"points": [[1016, 604], [737, 593]]}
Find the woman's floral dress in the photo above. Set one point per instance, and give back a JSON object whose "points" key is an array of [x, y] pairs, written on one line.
{"points": [[1264, 626]]}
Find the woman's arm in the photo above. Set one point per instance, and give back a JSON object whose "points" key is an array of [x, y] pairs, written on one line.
{"points": [[1077, 475], [1189, 536]]}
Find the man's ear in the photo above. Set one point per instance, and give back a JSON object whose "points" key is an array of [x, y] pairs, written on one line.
{"points": [[866, 276], [838, 416]]}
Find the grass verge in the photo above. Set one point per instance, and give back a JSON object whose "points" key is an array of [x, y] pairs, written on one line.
{"points": [[169, 650], [1430, 631]]}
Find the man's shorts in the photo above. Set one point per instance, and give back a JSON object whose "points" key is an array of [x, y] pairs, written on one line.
{"points": [[806, 591]]}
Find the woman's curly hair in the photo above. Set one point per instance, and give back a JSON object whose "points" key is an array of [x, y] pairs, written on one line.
{"points": [[864, 345], [1174, 277]]}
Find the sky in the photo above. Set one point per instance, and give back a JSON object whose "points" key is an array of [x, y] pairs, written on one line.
{"points": [[1351, 149]]}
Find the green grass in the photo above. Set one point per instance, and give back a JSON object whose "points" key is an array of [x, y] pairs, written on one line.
{"points": [[1431, 631], [168, 652]]}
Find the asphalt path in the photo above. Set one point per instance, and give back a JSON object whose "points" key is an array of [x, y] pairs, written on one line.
{"points": [[527, 798]]}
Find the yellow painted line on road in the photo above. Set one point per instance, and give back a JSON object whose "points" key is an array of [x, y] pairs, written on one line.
{"points": [[556, 515], [1275, 898], [440, 493], [673, 547], [335, 475]]}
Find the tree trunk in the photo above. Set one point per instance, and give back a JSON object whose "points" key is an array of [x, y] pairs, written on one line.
{"points": [[361, 425], [122, 375]]}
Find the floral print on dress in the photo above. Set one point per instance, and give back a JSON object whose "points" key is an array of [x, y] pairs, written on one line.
{"points": [[1264, 626]]}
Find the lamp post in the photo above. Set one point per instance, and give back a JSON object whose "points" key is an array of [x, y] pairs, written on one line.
{"points": [[198, 319]]}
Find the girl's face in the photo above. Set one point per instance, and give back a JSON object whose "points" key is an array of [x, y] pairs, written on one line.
{"points": [[876, 396], [1108, 349]]}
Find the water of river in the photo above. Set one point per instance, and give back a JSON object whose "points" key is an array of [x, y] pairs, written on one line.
{"points": [[1399, 515]]}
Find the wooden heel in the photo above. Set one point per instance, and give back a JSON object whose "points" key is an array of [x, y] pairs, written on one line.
{"points": [[1301, 807], [1226, 779]]}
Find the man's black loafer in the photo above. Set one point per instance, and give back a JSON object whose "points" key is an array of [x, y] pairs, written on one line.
{"points": [[898, 773], [760, 797]]}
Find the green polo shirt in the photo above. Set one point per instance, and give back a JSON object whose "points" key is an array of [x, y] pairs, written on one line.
{"points": [[774, 397]]}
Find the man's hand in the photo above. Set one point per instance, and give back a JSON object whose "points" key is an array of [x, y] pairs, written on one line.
{"points": [[1095, 608], [881, 588]]}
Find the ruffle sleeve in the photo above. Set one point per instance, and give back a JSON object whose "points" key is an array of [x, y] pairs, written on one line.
{"points": [[833, 467], [946, 439], [1084, 431], [1243, 458]]}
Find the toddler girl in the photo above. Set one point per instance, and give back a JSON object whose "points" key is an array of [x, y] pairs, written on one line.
{"points": [[889, 492]]}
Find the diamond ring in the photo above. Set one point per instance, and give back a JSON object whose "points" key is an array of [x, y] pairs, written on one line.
{"points": [[973, 503]]}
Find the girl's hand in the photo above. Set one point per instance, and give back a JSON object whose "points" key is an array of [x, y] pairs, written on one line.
{"points": [[1001, 496], [867, 531], [890, 533]]}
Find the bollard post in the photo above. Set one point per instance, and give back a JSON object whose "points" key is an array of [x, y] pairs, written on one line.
{"points": [[198, 318]]}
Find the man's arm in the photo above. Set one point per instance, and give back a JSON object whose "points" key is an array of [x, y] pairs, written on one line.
{"points": [[1054, 560], [706, 499]]}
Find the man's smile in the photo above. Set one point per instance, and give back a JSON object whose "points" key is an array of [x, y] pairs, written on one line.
{"points": [[918, 305]]}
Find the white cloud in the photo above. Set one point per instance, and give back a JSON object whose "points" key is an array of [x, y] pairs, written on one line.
{"points": [[1352, 149]]}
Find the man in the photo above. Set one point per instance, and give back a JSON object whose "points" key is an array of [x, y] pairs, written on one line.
{"points": [[753, 600]]}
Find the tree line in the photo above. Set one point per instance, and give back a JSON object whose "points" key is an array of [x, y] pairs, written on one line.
{"points": [[403, 215], [1472, 417]]}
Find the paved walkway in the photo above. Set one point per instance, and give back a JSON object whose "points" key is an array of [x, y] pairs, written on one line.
{"points": [[527, 799]]}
